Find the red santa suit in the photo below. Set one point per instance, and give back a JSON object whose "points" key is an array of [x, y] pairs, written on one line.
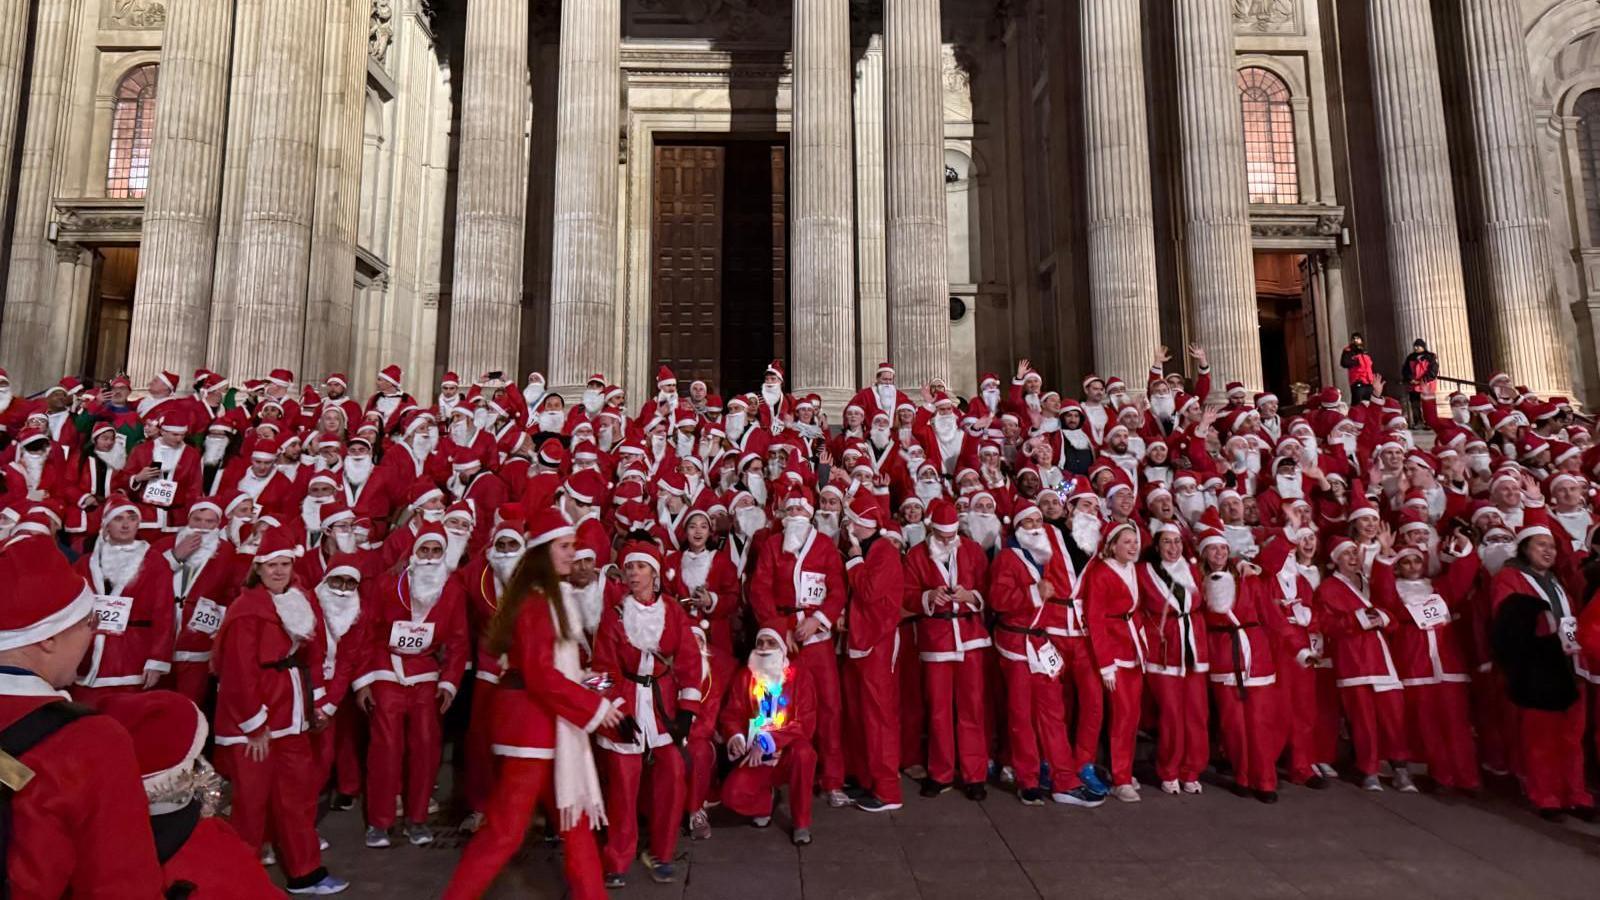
{"points": [[1305, 671], [483, 589], [1364, 669], [786, 590], [1243, 626], [951, 638], [416, 650], [164, 500], [877, 589], [787, 756], [713, 570], [134, 604], [345, 636], [656, 669], [1110, 595], [1177, 660], [202, 585]]}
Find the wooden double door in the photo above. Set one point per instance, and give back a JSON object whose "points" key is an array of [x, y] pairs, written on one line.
{"points": [[720, 281]]}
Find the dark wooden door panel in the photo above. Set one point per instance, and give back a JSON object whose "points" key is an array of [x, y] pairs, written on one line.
{"points": [[755, 258], [687, 281]]}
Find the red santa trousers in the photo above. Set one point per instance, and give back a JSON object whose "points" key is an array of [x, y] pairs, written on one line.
{"points": [[1441, 730], [339, 750], [520, 786], [191, 679], [1495, 721], [405, 738], [822, 665], [701, 746], [1377, 725], [1312, 701], [874, 724], [478, 779], [276, 799], [1183, 738], [1253, 732], [955, 692], [1550, 750], [748, 789], [623, 774], [1126, 703], [1083, 699], [1036, 726], [913, 717]]}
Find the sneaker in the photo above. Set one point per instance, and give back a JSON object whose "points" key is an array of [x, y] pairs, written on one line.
{"points": [[322, 843], [931, 788], [1267, 796], [268, 857], [1135, 782], [616, 880], [1091, 780], [1170, 787], [1079, 796], [472, 823], [377, 838], [419, 835], [975, 792], [761, 821], [838, 799], [855, 792], [1317, 783], [433, 807], [328, 885], [699, 825], [660, 872], [915, 773], [1403, 782], [1008, 776], [1127, 793], [1326, 770], [802, 837], [872, 804], [342, 802], [1370, 783], [1031, 796], [1191, 787]]}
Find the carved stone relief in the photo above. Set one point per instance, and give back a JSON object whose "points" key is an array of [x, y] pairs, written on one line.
{"points": [[1266, 16], [136, 14]]}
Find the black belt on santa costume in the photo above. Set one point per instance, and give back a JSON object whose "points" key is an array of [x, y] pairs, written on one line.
{"points": [[641, 680], [1014, 629], [950, 616], [294, 661], [1235, 633], [512, 679]]}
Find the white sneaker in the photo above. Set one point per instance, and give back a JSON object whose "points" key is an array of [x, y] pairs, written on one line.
{"points": [[268, 857], [761, 821], [1191, 787], [839, 799], [1326, 770], [1127, 793], [1403, 782], [1135, 782], [322, 843], [1008, 776], [472, 823], [1169, 787], [1371, 783]]}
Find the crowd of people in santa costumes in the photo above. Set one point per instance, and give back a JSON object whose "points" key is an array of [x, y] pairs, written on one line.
{"points": [[624, 615]]}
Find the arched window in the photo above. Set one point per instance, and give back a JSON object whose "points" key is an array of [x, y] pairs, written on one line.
{"points": [[1587, 109], [133, 119], [1269, 150]]}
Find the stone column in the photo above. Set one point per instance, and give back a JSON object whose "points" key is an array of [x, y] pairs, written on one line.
{"points": [[822, 325], [172, 302], [919, 281], [235, 172], [1222, 283], [13, 40], [1121, 229], [275, 231], [330, 303], [24, 333], [1424, 250], [583, 271], [1526, 319], [871, 246], [491, 198]]}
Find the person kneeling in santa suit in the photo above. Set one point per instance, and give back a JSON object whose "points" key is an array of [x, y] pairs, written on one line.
{"points": [[644, 644], [767, 724], [133, 600], [414, 658], [201, 857], [269, 663]]}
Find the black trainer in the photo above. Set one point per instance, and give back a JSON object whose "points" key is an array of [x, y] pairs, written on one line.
{"points": [[1031, 796], [975, 792], [931, 788]]}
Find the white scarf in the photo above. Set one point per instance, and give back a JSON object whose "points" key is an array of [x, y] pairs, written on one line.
{"points": [[577, 783]]}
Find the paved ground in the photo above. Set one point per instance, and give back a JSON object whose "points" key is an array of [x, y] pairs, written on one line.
{"points": [[1339, 843]]}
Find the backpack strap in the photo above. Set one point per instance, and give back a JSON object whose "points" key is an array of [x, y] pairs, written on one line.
{"points": [[23, 735]]}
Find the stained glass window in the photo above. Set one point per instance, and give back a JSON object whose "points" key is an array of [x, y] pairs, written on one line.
{"points": [[1269, 141], [133, 119]]}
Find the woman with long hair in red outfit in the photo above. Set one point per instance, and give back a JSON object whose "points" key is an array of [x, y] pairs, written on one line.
{"points": [[543, 715]]}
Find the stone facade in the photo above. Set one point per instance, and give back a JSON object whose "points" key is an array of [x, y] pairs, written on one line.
{"points": [[463, 186]]}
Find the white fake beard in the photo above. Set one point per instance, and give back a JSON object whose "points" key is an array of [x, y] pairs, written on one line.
{"points": [[768, 666], [427, 578], [482, 418], [238, 530], [33, 468], [658, 445], [684, 445], [592, 400], [726, 479], [1495, 556], [1191, 506], [5, 398], [590, 602], [644, 624], [991, 399], [210, 539], [1478, 463], [795, 531], [311, 513], [1032, 401], [1163, 405], [1036, 542], [1289, 487], [929, 491], [749, 520], [1413, 591], [345, 542], [119, 563], [880, 436], [945, 427], [388, 403], [1346, 442], [215, 446], [455, 549], [914, 533], [734, 424], [295, 612], [827, 522], [551, 420], [605, 436], [886, 396], [117, 456], [984, 528], [1461, 415], [1086, 532], [772, 394], [461, 434], [1221, 592], [357, 469], [774, 468], [757, 486], [532, 393], [504, 563], [942, 550], [339, 609]]}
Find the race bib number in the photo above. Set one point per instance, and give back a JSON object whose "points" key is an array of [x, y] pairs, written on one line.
{"points": [[1046, 661], [160, 492], [1568, 629], [1431, 613], [813, 589], [1318, 645], [111, 613], [207, 616], [411, 638]]}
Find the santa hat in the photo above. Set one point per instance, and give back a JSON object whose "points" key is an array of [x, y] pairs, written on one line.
{"points": [[391, 374], [864, 510], [1235, 390], [547, 525], [278, 543], [347, 565], [332, 514], [281, 377], [423, 491], [1361, 507], [943, 517], [641, 552], [799, 497], [461, 509], [116, 505], [884, 368], [431, 533], [665, 377], [168, 734], [1340, 545], [511, 526], [775, 368], [1091, 378], [1024, 509], [46, 598], [1535, 522], [1109, 534]]}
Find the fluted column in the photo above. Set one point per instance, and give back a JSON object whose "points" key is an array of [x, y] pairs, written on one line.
{"points": [[919, 281], [330, 304], [25, 331], [1424, 250], [822, 336], [13, 43], [172, 302], [583, 276], [491, 198], [1526, 319], [1222, 283], [235, 172], [1121, 229], [871, 242], [275, 233]]}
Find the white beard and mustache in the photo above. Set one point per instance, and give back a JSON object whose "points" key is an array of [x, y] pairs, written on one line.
{"points": [[210, 540], [1478, 463], [880, 436], [119, 563], [1163, 405], [427, 578], [772, 394], [658, 445], [644, 624], [749, 520], [455, 549], [592, 400], [945, 427], [684, 445], [215, 446], [532, 393], [345, 542], [295, 613], [357, 469], [551, 420], [1495, 556], [1086, 532], [943, 549], [757, 486], [461, 434], [991, 399], [311, 513], [1037, 542], [984, 528], [339, 609], [117, 456], [239, 530], [768, 665], [588, 601], [33, 468], [1461, 415], [5, 398], [1190, 506], [1221, 592], [503, 563], [1346, 443], [929, 491], [1289, 487], [734, 425], [1413, 591], [827, 522], [914, 533], [796, 529]]}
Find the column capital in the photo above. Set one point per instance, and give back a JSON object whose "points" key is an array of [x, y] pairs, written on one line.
{"points": [[68, 252]]}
